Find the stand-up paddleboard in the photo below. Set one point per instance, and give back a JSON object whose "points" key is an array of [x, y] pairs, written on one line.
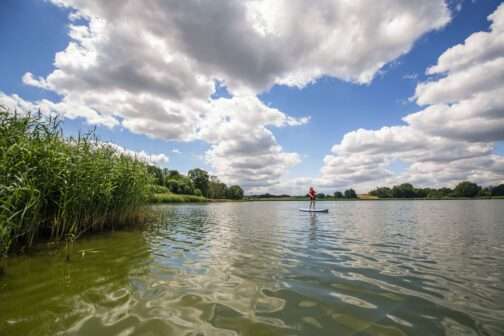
{"points": [[314, 210]]}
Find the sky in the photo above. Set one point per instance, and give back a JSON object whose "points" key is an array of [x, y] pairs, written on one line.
{"points": [[274, 95]]}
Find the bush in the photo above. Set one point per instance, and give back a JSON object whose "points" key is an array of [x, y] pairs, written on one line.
{"points": [[350, 193], [338, 194], [466, 189], [235, 192], [498, 191], [174, 198], [180, 185], [405, 190], [158, 189], [382, 192]]}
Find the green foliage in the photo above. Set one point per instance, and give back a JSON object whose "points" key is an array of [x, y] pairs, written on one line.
{"points": [[180, 185], [485, 192], [56, 187], [174, 198], [439, 193], [350, 193], [382, 192], [216, 189], [321, 195], [173, 174], [497, 191], [157, 173], [466, 189], [197, 182], [421, 192], [235, 192], [463, 189], [338, 194], [159, 189], [405, 190], [200, 179]]}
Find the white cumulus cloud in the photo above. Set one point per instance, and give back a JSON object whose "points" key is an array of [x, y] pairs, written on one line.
{"points": [[451, 139], [151, 66]]}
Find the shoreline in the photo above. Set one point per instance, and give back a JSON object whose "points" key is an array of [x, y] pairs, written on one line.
{"points": [[374, 199], [176, 198]]}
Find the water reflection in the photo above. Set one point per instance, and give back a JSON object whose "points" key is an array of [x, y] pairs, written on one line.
{"points": [[389, 268]]}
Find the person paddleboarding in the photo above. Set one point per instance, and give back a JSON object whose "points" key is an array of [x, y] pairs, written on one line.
{"points": [[312, 194]]}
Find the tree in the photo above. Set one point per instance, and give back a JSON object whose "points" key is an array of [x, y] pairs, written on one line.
{"points": [[338, 194], [172, 185], [200, 179], [466, 189], [216, 189], [382, 192], [186, 187], [498, 191], [445, 192], [422, 192], [172, 174], [320, 195], [350, 193], [181, 185], [157, 173], [404, 190], [235, 192], [485, 192]]}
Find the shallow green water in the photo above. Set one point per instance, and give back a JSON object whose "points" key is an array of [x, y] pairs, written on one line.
{"points": [[366, 268]]}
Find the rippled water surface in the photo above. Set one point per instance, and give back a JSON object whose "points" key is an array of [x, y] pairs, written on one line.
{"points": [[263, 268]]}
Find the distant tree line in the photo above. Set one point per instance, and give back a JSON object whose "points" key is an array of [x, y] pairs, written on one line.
{"points": [[463, 189], [268, 195], [349, 193], [197, 182]]}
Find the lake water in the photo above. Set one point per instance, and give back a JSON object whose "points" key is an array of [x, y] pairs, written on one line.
{"points": [[264, 268]]}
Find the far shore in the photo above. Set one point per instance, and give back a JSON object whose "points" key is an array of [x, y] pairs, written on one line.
{"points": [[176, 198], [370, 199]]}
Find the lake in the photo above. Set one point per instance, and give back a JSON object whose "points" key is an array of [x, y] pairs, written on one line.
{"points": [[264, 268]]}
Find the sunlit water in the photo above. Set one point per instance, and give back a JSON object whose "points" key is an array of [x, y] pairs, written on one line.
{"points": [[264, 268]]}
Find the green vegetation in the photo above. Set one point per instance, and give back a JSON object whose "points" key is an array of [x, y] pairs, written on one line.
{"points": [[269, 197], [467, 189], [464, 189], [403, 191], [200, 180], [338, 194], [350, 193], [57, 188], [234, 192], [197, 183], [174, 198]]}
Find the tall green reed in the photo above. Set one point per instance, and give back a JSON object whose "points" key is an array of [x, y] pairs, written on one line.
{"points": [[52, 187]]}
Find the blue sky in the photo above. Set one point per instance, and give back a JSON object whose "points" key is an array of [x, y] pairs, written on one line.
{"points": [[33, 31]]}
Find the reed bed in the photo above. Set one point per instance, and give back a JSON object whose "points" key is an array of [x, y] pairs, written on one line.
{"points": [[54, 188], [176, 198]]}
